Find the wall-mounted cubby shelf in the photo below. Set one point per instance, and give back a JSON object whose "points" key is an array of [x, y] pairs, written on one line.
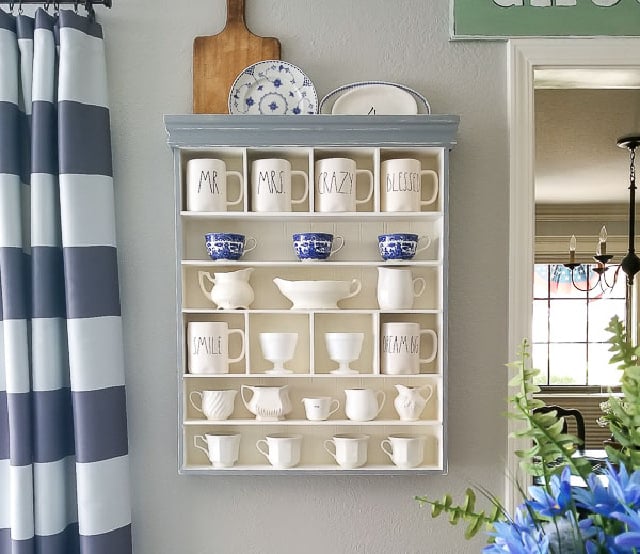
{"points": [[303, 140]]}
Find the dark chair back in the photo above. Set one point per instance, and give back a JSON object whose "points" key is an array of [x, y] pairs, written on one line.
{"points": [[565, 413]]}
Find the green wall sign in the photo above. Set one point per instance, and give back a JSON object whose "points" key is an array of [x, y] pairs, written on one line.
{"points": [[545, 18]]}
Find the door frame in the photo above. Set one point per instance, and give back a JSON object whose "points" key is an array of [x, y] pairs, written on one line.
{"points": [[525, 55]]}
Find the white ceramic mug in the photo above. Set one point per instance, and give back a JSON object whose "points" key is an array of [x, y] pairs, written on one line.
{"points": [[406, 451], [349, 450], [216, 405], [363, 404], [221, 448], [397, 288], [336, 185], [400, 348], [282, 449], [401, 185], [207, 185], [208, 347], [319, 408], [271, 185]]}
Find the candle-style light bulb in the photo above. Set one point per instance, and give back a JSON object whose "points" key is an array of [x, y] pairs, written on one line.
{"points": [[602, 241], [572, 250]]}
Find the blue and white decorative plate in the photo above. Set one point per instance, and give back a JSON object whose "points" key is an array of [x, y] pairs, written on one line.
{"points": [[273, 87]]}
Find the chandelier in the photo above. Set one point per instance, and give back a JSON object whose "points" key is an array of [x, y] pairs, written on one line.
{"points": [[630, 264]]}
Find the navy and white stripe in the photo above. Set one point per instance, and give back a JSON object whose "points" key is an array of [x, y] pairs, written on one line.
{"points": [[64, 468]]}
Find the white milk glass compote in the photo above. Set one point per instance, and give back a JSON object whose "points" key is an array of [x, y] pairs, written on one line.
{"points": [[344, 348], [278, 348]]}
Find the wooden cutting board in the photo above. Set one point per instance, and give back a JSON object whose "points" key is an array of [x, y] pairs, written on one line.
{"points": [[219, 59]]}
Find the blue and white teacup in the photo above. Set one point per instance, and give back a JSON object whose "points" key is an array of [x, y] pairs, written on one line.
{"points": [[316, 246], [228, 246], [401, 246]]}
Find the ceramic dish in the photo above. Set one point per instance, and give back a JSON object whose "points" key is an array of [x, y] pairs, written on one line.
{"points": [[385, 98], [273, 87]]}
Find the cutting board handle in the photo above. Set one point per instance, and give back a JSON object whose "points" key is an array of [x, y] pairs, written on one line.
{"points": [[235, 13]]}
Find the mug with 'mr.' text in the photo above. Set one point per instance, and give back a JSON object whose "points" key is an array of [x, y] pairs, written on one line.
{"points": [[207, 185]]}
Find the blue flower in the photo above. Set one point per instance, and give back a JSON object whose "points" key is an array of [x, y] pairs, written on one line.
{"points": [[624, 487], [249, 101], [622, 492], [517, 537], [550, 505], [273, 106], [296, 111], [260, 87], [277, 83]]}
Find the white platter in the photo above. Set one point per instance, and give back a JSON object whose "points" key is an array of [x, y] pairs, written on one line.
{"points": [[273, 87], [385, 98]]}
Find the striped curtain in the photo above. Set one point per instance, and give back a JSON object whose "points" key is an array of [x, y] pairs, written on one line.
{"points": [[64, 468]]}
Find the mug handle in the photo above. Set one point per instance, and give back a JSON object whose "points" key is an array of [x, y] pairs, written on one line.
{"points": [[389, 452], [199, 447], [336, 239], [424, 247], [367, 172], [238, 175], [384, 396], [434, 337], [435, 186], [247, 241], [244, 400], [197, 392], [241, 333], [331, 412], [259, 443], [306, 186], [423, 285], [358, 285], [326, 447]]}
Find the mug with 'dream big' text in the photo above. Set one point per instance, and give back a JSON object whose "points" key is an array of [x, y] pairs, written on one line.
{"points": [[271, 185], [336, 185], [207, 185], [401, 185], [208, 347], [400, 348]]}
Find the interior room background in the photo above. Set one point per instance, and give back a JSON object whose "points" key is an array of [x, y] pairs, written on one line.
{"points": [[149, 53]]}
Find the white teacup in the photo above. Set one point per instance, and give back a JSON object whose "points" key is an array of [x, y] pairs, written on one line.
{"points": [[271, 185], [406, 451], [319, 408], [336, 185], [283, 450], [216, 405], [207, 185], [400, 348], [221, 448], [278, 348], [208, 348], [401, 186], [349, 449]]}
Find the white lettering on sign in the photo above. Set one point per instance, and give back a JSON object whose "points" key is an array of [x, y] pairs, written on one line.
{"points": [[552, 3]]}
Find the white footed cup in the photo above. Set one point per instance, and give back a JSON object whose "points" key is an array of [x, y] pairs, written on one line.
{"points": [[221, 448], [405, 451], [282, 449]]}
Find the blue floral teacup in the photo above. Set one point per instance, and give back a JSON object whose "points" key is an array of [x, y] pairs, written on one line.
{"points": [[316, 246], [401, 246], [228, 246]]}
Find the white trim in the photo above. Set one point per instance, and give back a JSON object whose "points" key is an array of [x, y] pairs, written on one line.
{"points": [[523, 56]]}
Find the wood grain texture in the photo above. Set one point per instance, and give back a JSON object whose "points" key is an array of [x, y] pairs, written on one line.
{"points": [[219, 59]]}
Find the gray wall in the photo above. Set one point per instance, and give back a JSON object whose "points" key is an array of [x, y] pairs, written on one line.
{"points": [[149, 46]]}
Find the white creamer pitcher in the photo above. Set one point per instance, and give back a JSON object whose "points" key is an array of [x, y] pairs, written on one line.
{"points": [[397, 288], [231, 290], [267, 403], [410, 403], [363, 404]]}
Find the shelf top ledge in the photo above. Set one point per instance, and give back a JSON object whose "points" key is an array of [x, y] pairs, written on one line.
{"points": [[211, 130]]}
